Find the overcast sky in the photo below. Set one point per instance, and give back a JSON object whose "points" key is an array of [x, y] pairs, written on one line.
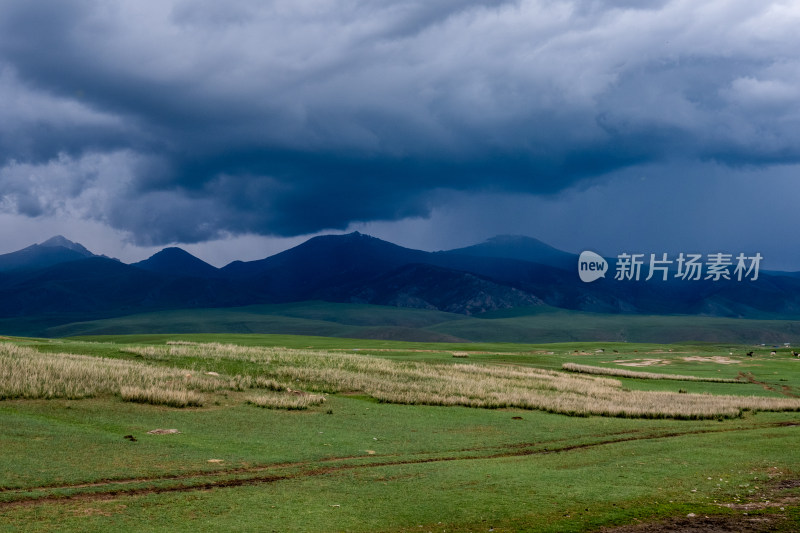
{"points": [[237, 129]]}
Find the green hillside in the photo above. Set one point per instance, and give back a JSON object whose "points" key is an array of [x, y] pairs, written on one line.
{"points": [[532, 325]]}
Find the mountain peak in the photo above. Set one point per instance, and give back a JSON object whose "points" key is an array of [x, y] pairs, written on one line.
{"points": [[177, 261], [60, 240], [172, 251], [522, 248], [53, 251]]}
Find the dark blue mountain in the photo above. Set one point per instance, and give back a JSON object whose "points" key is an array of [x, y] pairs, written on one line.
{"points": [[177, 262], [522, 248], [59, 277], [98, 286], [51, 252], [321, 263], [425, 286], [348, 267], [784, 274]]}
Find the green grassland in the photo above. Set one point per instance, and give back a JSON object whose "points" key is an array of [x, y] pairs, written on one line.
{"points": [[528, 325], [367, 460]]}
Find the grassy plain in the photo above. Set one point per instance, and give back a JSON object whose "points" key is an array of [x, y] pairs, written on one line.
{"points": [[527, 325], [359, 461]]}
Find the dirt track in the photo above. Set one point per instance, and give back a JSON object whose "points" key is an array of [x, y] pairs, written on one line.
{"points": [[784, 389], [264, 474]]}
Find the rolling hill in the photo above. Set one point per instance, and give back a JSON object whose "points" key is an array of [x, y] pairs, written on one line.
{"points": [[537, 324], [59, 282]]}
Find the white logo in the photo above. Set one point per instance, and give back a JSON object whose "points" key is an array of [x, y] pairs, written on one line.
{"points": [[591, 266]]}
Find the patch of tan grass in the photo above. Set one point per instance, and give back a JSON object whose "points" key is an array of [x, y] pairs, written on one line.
{"points": [[162, 396], [211, 350], [622, 373], [479, 385], [26, 373], [286, 400]]}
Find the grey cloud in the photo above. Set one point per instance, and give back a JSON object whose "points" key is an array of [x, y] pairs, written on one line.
{"points": [[287, 118]]}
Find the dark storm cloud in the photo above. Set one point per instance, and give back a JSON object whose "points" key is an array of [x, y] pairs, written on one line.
{"points": [[182, 121]]}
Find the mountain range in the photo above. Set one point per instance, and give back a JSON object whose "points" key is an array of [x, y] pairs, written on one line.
{"points": [[59, 279]]}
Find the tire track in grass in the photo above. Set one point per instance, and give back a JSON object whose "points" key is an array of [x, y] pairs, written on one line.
{"points": [[265, 474], [785, 390]]}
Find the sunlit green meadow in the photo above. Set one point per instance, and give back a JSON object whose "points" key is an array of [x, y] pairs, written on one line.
{"points": [[389, 436]]}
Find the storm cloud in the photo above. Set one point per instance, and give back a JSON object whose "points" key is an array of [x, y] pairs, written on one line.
{"points": [[181, 121]]}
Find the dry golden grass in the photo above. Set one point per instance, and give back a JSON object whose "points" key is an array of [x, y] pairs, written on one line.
{"points": [[474, 385], [286, 400], [162, 396], [210, 350], [622, 373], [28, 374]]}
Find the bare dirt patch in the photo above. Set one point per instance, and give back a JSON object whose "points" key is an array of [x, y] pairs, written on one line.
{"points": [[788, 484], [642, 362], [767, 513], [718, 359], [740, 523], [722, 360]]}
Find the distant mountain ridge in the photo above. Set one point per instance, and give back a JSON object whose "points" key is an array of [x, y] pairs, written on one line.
{"points": [[60, 277], [53, 251]]}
